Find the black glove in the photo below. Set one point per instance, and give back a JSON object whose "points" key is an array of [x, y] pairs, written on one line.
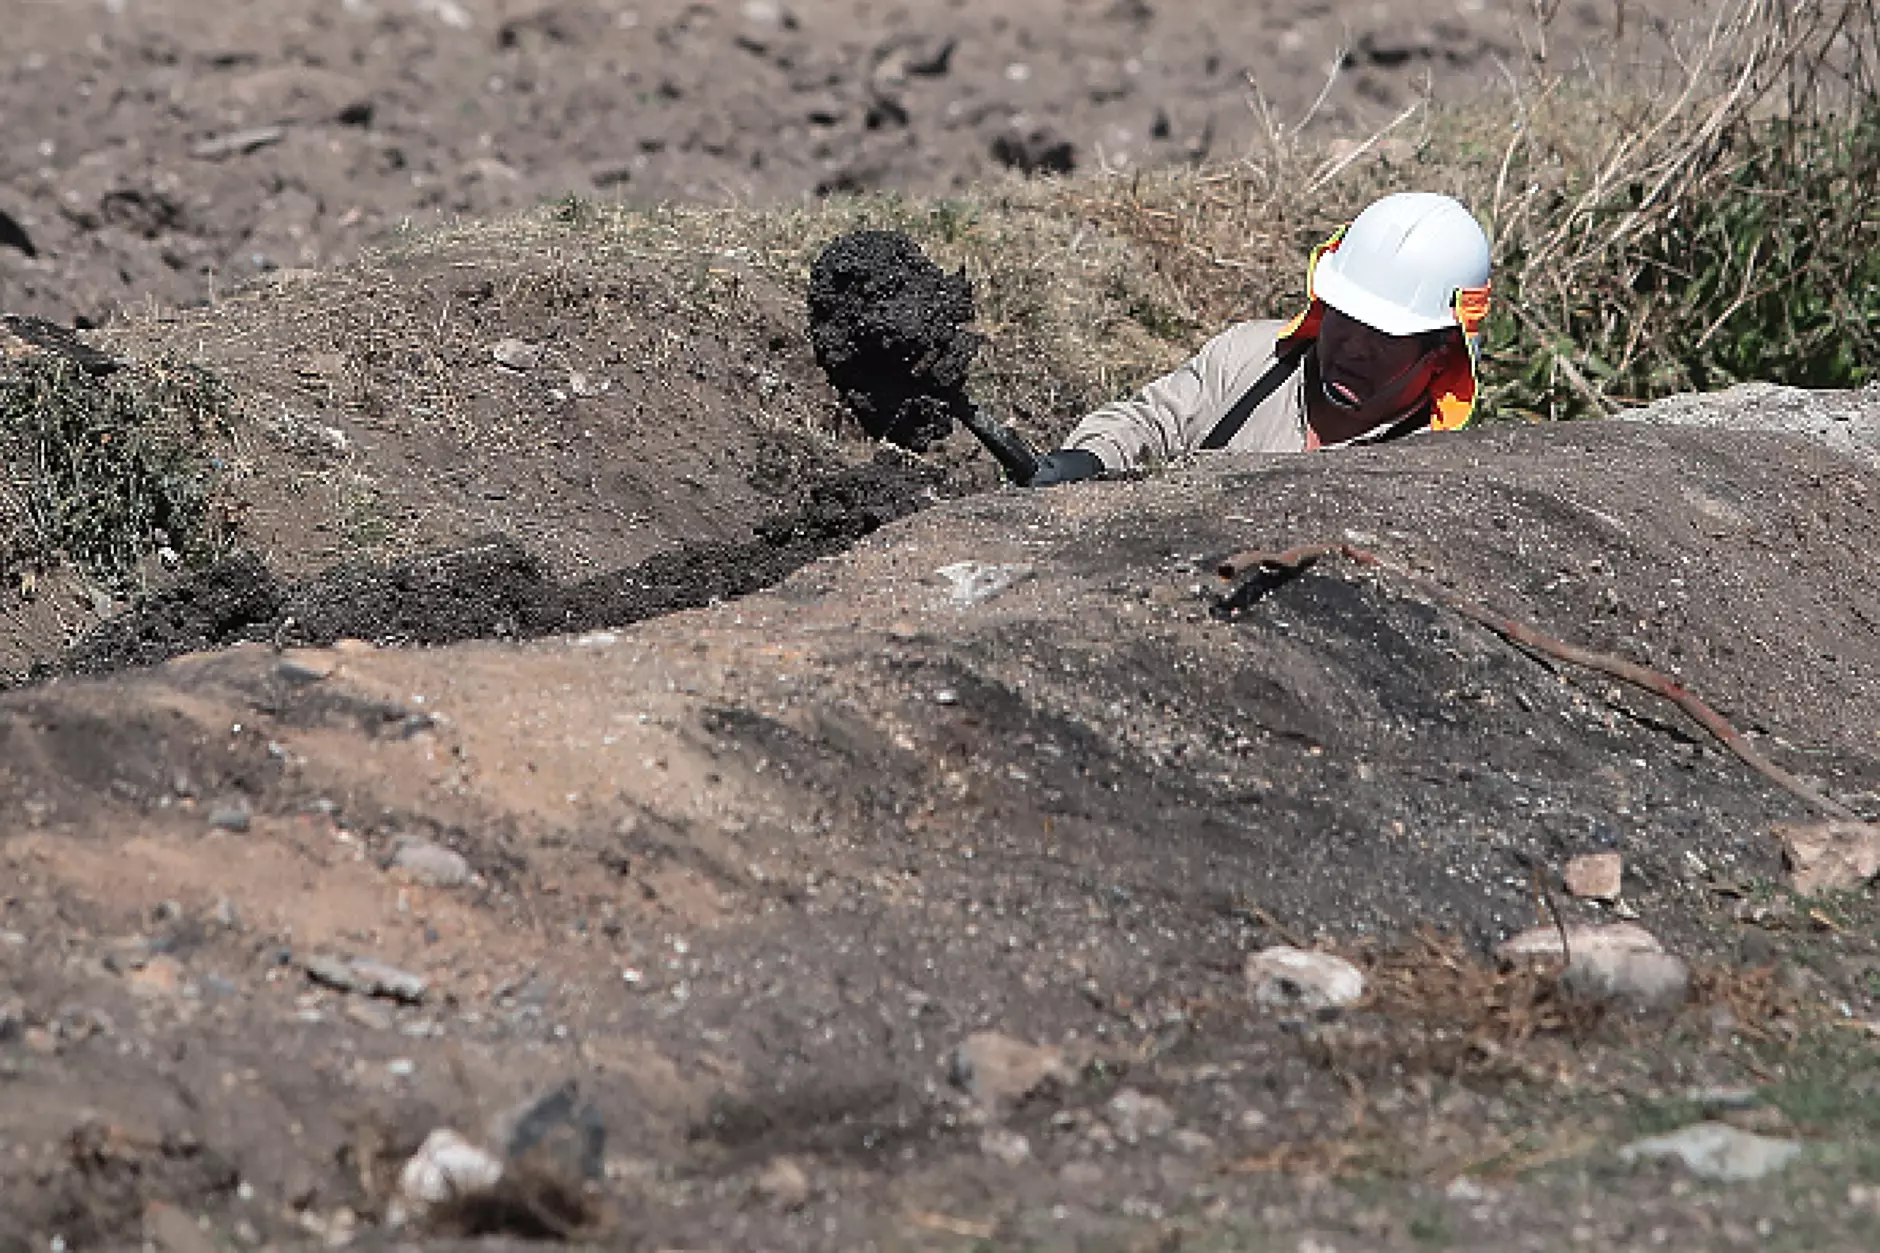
{"points": [[1066, 465]]}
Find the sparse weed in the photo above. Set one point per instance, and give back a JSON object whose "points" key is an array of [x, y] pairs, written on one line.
{"points": [[104, 471]]}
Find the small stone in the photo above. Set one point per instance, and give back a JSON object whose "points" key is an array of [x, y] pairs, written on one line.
{"points": [[230, 818], [557, 1133], [1136, 1117], [1546, 942], [1294, 979], [1830, 856], [370, 1016], [517, 354], [998, 1071], [1005, 1146], [783, 1184], [237, 143], [226, 915], [335, 972], [1595, 876], [430, 864], [446, 1167], [306, 665], [1714, 1150]]}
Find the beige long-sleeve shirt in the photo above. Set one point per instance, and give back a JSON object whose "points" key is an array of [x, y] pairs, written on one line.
{"points": [[1172, 415]]}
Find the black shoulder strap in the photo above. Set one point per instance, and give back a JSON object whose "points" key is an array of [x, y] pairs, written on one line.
{"points": [[1268, 383]]}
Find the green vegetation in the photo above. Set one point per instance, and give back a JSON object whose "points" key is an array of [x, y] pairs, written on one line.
{"points": [[104, 471]]}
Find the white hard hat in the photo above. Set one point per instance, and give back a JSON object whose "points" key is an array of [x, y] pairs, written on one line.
{"points": [[1398, 267]]}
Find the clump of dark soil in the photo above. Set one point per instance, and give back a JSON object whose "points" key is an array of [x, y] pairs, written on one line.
{"points": [[493, 588], [889, 329]]}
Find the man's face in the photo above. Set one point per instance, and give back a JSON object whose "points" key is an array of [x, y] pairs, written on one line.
{"points": [[1368, 374]]}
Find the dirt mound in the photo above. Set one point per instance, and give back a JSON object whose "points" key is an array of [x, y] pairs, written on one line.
{"points": [[752, 873], [889, 329]]}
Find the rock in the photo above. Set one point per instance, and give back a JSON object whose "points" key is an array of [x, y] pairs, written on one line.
{"points": [[366, 976], [1136, 1117], [975, 582], [1595, 876], [1620, 962], [230, 818], [446, 1167], [1295, 979], [1830, 856], [430, 864], [238, 143], [306, 665], [1545, 941], [557, 1133], [1004, 1146], [999, 1072], [1716, 1150], [783, 1184], [517, 354]]}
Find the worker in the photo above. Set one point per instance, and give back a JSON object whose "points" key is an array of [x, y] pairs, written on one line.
{"points": [[1387, 346]]}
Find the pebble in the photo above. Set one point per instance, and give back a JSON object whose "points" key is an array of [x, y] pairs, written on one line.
{"points": [[517, 354], [430, 864], [1595, 876], [1714, 1150], [996, 1070], [1193, 1143], [230, 818], [783, 1184], [1296, 979], [1135, 1116]]}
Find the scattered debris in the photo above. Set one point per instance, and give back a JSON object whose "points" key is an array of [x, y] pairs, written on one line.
{"points": [[516, 354], [446, 1168], [997, 1071], [1830, 856], [975, 582], [430, 864], [1717, 1150], [1295, 979], [1595, 876]]}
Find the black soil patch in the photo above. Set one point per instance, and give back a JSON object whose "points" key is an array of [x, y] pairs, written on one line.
{"points": [[888, 326], [493, 588]]}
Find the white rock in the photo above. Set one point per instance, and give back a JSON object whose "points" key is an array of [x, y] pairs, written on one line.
{"points": [[1296, 979], [784, 1184], [1620, 962], [517, 354], [975, 582], [1717, 1150], [444, 1168]]}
